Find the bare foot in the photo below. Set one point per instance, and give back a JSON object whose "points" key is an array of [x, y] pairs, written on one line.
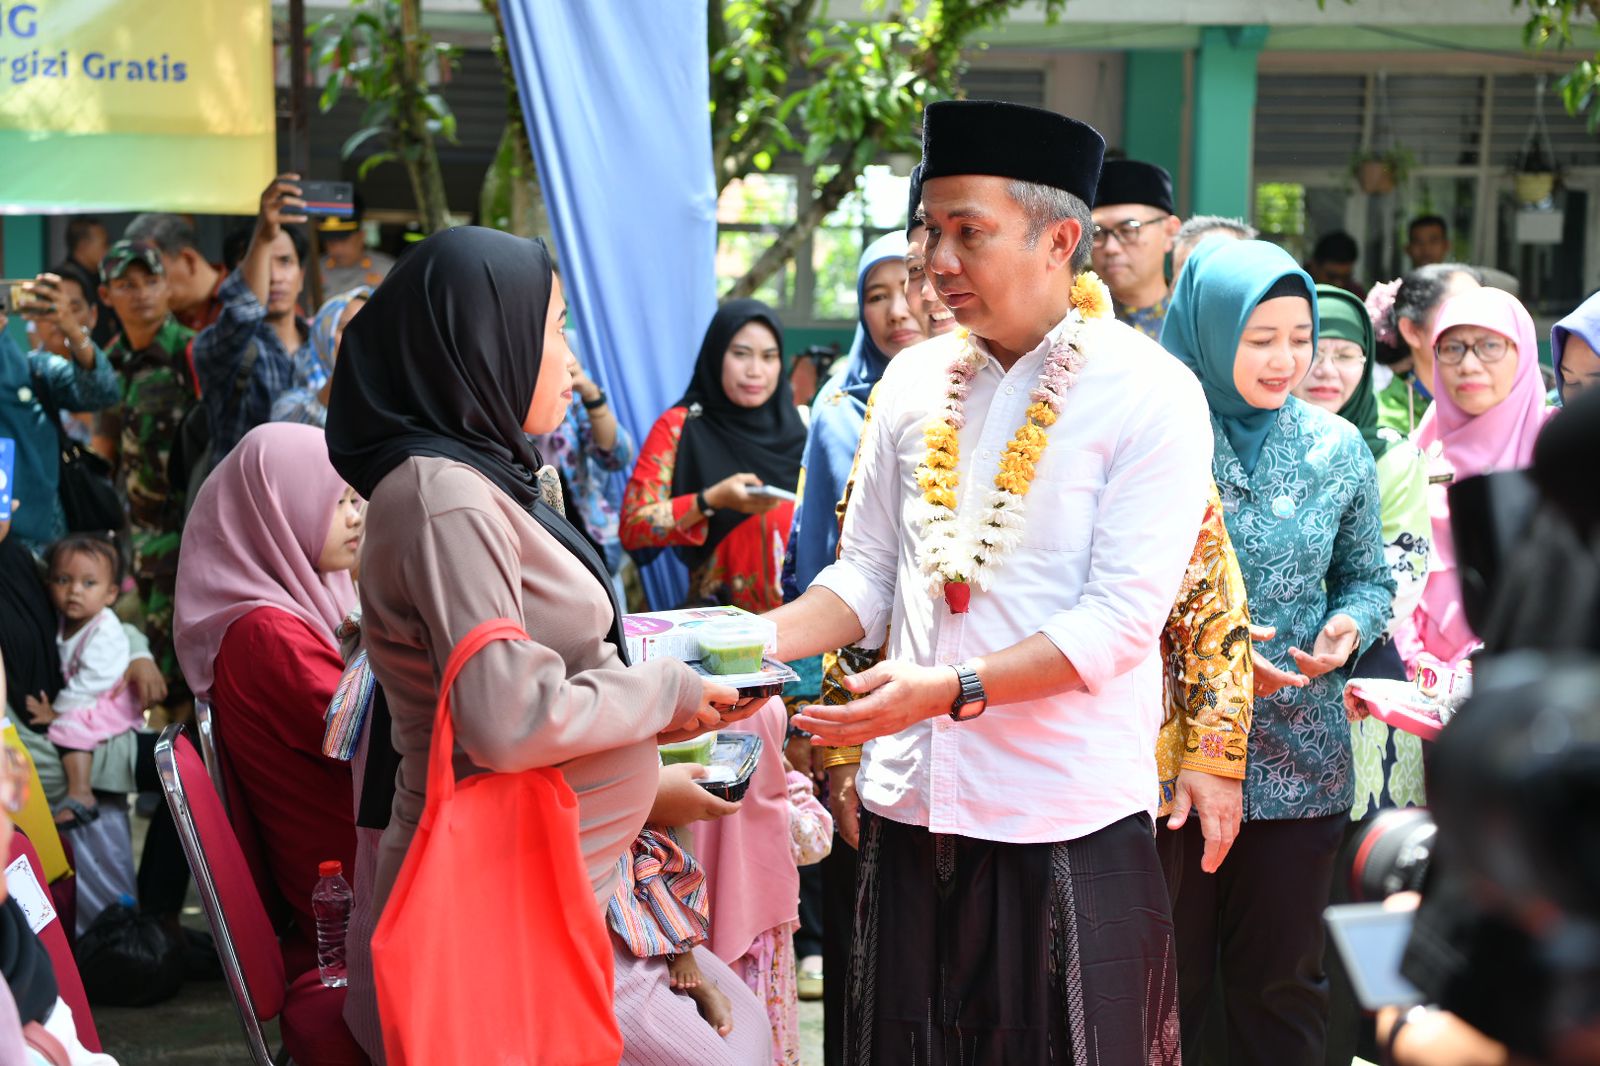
{"points": [[715, 1008], [685, 972]]}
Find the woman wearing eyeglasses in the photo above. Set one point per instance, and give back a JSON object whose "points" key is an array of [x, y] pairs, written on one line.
{"points": [[1489, 407]]}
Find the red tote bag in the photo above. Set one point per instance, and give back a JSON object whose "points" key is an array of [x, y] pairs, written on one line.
{"points": [[491, 948]]}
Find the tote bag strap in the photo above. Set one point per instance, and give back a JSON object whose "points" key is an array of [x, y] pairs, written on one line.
{"points": [[441, 761]]}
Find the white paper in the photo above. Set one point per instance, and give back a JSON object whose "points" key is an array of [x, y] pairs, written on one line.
{"points": [[29, 894]]}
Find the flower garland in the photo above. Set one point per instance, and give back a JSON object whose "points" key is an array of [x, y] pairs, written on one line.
{"points": [[957, 553]]}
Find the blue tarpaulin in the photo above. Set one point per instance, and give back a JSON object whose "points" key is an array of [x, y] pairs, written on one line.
{"points": [[615, 96]]}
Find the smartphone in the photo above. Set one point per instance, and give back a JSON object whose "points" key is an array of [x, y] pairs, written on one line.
{"points": [[329, 199], [13, 296], [8, 472], [1371, 941], [769, 492]]}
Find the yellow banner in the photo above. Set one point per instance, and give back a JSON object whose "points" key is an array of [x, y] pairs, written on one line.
{"points": [[152, 97]]}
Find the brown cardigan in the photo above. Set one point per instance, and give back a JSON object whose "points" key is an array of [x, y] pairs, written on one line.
{"points": [[445, 550]]}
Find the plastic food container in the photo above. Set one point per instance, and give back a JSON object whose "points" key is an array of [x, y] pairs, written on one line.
{"points": [[697, 750], [733, 763], [732, 646], [768, 680]]}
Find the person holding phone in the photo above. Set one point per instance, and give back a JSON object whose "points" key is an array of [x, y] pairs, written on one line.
{"points": [[248, 357], [700, 484], [66, 372]]}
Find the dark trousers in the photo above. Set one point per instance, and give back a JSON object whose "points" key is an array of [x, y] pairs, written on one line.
{"points": [[163, 869], [838, 928], [981, 953], [1256, 922]]}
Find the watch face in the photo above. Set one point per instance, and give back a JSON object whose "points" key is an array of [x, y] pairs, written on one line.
{"points": [[968, 711]]}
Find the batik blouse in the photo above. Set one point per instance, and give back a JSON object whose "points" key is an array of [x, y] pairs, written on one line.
{"points": [[744, 569], [1307, 525], [1208, 682]]}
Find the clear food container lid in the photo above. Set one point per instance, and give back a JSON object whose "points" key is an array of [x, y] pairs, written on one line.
{"points": [[732, 632]]}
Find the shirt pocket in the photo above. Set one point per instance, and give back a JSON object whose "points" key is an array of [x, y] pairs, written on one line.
{"points": [[1063, 500]]}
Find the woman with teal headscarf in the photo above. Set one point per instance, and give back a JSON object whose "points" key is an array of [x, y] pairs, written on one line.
{"points": [[1300, 497]]}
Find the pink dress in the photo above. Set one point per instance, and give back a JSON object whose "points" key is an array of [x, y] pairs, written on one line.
{"points": [[96, 703], [751, 861]]}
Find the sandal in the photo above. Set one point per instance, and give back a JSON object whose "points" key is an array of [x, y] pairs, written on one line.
{"points": [[81, 815]]}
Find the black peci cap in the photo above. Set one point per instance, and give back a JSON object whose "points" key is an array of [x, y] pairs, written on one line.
{"points": [[1128, 181], [915, 202], [1011, 141]]}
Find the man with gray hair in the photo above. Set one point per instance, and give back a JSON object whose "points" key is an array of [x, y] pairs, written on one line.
{"points": [[193, 281], [1011, 906], [1200, 228]]}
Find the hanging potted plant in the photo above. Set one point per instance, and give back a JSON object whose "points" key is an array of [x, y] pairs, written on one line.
{"points": [[1534, 172], [1379, 172], [1534, 178]]}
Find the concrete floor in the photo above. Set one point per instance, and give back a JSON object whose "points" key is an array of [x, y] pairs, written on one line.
{"points": [[201, 1027]]}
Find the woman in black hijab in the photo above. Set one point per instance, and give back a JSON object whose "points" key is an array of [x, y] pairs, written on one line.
{"points": [[457, 357], [735, 430]]}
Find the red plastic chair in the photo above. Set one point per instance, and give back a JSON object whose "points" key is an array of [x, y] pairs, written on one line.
{"points": [[69, 985], [310, 1014]]}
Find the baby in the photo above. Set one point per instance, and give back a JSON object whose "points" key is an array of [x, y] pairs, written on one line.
{"points": [[661, 908], [95, 703]]}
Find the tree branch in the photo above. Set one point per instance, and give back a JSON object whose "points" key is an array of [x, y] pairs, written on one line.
{"points": [[783, 248]]}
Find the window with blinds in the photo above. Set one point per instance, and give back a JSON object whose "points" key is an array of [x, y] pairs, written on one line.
{"points": [[1514, 111], [1308, 122]]}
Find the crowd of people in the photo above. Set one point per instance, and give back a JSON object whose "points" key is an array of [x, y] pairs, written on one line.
{"points": [[1074, 557]]}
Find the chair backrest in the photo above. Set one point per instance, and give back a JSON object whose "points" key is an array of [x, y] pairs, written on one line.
{"points": [[205, 722], [248, 947], [69, 984]]}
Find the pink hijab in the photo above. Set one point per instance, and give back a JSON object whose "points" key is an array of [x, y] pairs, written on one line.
{"points": [[253, 540], [749, 856], [1501, 438]]}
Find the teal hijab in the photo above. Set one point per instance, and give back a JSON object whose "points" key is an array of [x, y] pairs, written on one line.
{"points": [[1217, 291]]}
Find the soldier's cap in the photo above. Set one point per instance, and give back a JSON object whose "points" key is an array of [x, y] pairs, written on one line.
{"points": [[124, 254]]}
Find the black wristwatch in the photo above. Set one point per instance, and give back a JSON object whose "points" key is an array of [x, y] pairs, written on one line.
{"points": [[971, 701], [701, 504], [596, 403]]}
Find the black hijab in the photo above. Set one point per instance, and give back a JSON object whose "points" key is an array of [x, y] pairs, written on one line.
{"points": [[726, 439], [27, 631], [25, 965], [442, 362]]}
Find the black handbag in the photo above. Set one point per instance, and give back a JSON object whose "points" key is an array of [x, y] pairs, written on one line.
{"points": [[88, 498]]}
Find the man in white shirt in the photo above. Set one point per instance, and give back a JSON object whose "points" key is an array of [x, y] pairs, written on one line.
{"points": [[1012, 906]]}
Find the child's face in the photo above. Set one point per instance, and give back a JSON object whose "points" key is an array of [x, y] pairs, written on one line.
{"points": [[80, 585]]}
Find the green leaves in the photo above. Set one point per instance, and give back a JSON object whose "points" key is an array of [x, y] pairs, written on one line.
{"points": [[365, 52]]}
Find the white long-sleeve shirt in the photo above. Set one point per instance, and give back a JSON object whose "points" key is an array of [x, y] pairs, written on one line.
{"points": [[1110, 524]]}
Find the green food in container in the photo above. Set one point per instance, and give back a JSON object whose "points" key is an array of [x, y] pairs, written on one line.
{"points": [[732, 647], [696, 750]]}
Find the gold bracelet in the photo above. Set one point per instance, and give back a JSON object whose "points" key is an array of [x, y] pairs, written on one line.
{"points": [[842, 757]]}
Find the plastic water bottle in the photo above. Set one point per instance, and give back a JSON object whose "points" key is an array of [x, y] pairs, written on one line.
{"points": [[330, 903]]}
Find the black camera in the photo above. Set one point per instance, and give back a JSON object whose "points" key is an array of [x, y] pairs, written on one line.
{"points": [[1387, 853]]}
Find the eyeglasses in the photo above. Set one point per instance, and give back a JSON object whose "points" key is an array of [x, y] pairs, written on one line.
{"points": [[1127, 233], [1338, 356], [1488, 350]]}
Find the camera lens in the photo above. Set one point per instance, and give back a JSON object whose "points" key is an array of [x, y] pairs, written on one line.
{"points": [[1388, 853]]}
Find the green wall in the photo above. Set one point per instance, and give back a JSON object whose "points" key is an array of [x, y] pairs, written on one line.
{"points": [[1154, 96], [23, 257]]}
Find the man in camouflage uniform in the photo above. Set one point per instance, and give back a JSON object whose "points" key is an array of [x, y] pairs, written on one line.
{"points": [[152, 355]]}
